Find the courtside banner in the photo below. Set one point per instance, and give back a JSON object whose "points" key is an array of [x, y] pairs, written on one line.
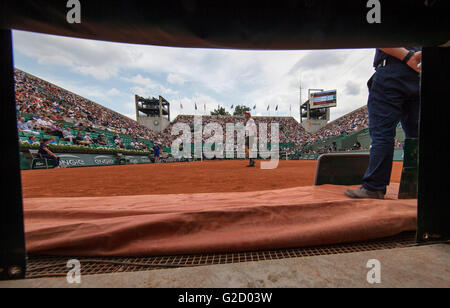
{"points": [[86, 160], [92, 160]]}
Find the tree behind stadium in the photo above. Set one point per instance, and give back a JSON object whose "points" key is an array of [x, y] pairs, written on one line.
{"points": [[220, 112], [239, 110]]}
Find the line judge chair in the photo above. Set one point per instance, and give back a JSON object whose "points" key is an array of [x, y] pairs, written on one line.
{"points": [[36, 158]]}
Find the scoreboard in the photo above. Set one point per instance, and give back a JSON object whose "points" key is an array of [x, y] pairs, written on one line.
{"points": [[324, 99]]}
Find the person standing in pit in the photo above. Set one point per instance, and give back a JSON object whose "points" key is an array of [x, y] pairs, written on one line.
{"points": [[250, 136], [394, 96]]}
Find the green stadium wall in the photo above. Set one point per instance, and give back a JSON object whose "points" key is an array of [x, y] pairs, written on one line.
{"points": [[75, 160], [398, 155]]}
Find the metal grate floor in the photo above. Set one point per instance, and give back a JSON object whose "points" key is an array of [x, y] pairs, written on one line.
{"points": [[51, 266]]}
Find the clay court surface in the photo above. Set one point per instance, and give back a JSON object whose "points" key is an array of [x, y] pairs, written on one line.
{"points": [[200, 207], [176, 178]]}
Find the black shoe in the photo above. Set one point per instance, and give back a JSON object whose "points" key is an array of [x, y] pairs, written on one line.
{"points": [[252, 164]]}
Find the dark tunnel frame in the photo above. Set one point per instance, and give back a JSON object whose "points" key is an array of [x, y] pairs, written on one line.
{"points": [[433, 212]]}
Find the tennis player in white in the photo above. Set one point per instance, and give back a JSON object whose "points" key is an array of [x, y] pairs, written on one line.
{"points": [[250, 136]]}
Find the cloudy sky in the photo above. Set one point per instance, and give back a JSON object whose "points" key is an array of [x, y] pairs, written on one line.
{"points": [[111, 74]]}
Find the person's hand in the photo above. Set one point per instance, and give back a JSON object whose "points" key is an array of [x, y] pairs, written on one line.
{"points": [[414, 62]]}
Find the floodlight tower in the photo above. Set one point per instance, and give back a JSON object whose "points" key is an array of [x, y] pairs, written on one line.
{"points": [[153, 113], [315, 112]]}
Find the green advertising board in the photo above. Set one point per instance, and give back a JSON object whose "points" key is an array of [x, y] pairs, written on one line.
{"points": [[86, 160], [73, 160], [135, 160], [398, 155], [24, 163], [91, 160]]}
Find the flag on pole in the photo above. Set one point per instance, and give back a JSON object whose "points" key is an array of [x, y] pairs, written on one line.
{"points": [[195, 106], [254, 107], [205, 107], [181, 105], [268, 108], [276, 109], [232, 106]]}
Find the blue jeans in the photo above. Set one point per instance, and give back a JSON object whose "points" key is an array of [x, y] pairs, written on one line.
{"points": [[394, 97]]}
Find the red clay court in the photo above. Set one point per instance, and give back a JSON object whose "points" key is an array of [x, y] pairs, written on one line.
{"points": [[176, 178], [199, 207]]}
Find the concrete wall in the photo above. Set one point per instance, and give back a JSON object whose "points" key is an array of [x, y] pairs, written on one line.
{"points": [[312, 126], [150, 123]]}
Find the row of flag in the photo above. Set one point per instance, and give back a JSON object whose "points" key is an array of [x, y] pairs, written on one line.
{"points": [[232, 107]]}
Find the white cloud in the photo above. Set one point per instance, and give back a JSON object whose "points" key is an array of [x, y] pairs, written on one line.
{"points": [[130, 115], [96, 72], [175, 79], [98, 59], [352, 88], [113, 92], [148, 87], [143, 81], [188, 104]]}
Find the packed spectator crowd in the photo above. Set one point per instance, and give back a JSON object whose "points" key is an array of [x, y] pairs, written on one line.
{"points": [[290, 130], [49, 104], [355, 121]]}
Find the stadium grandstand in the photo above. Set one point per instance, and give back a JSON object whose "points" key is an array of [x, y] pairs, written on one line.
{"points": [[347, 133], [48, 111]]}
